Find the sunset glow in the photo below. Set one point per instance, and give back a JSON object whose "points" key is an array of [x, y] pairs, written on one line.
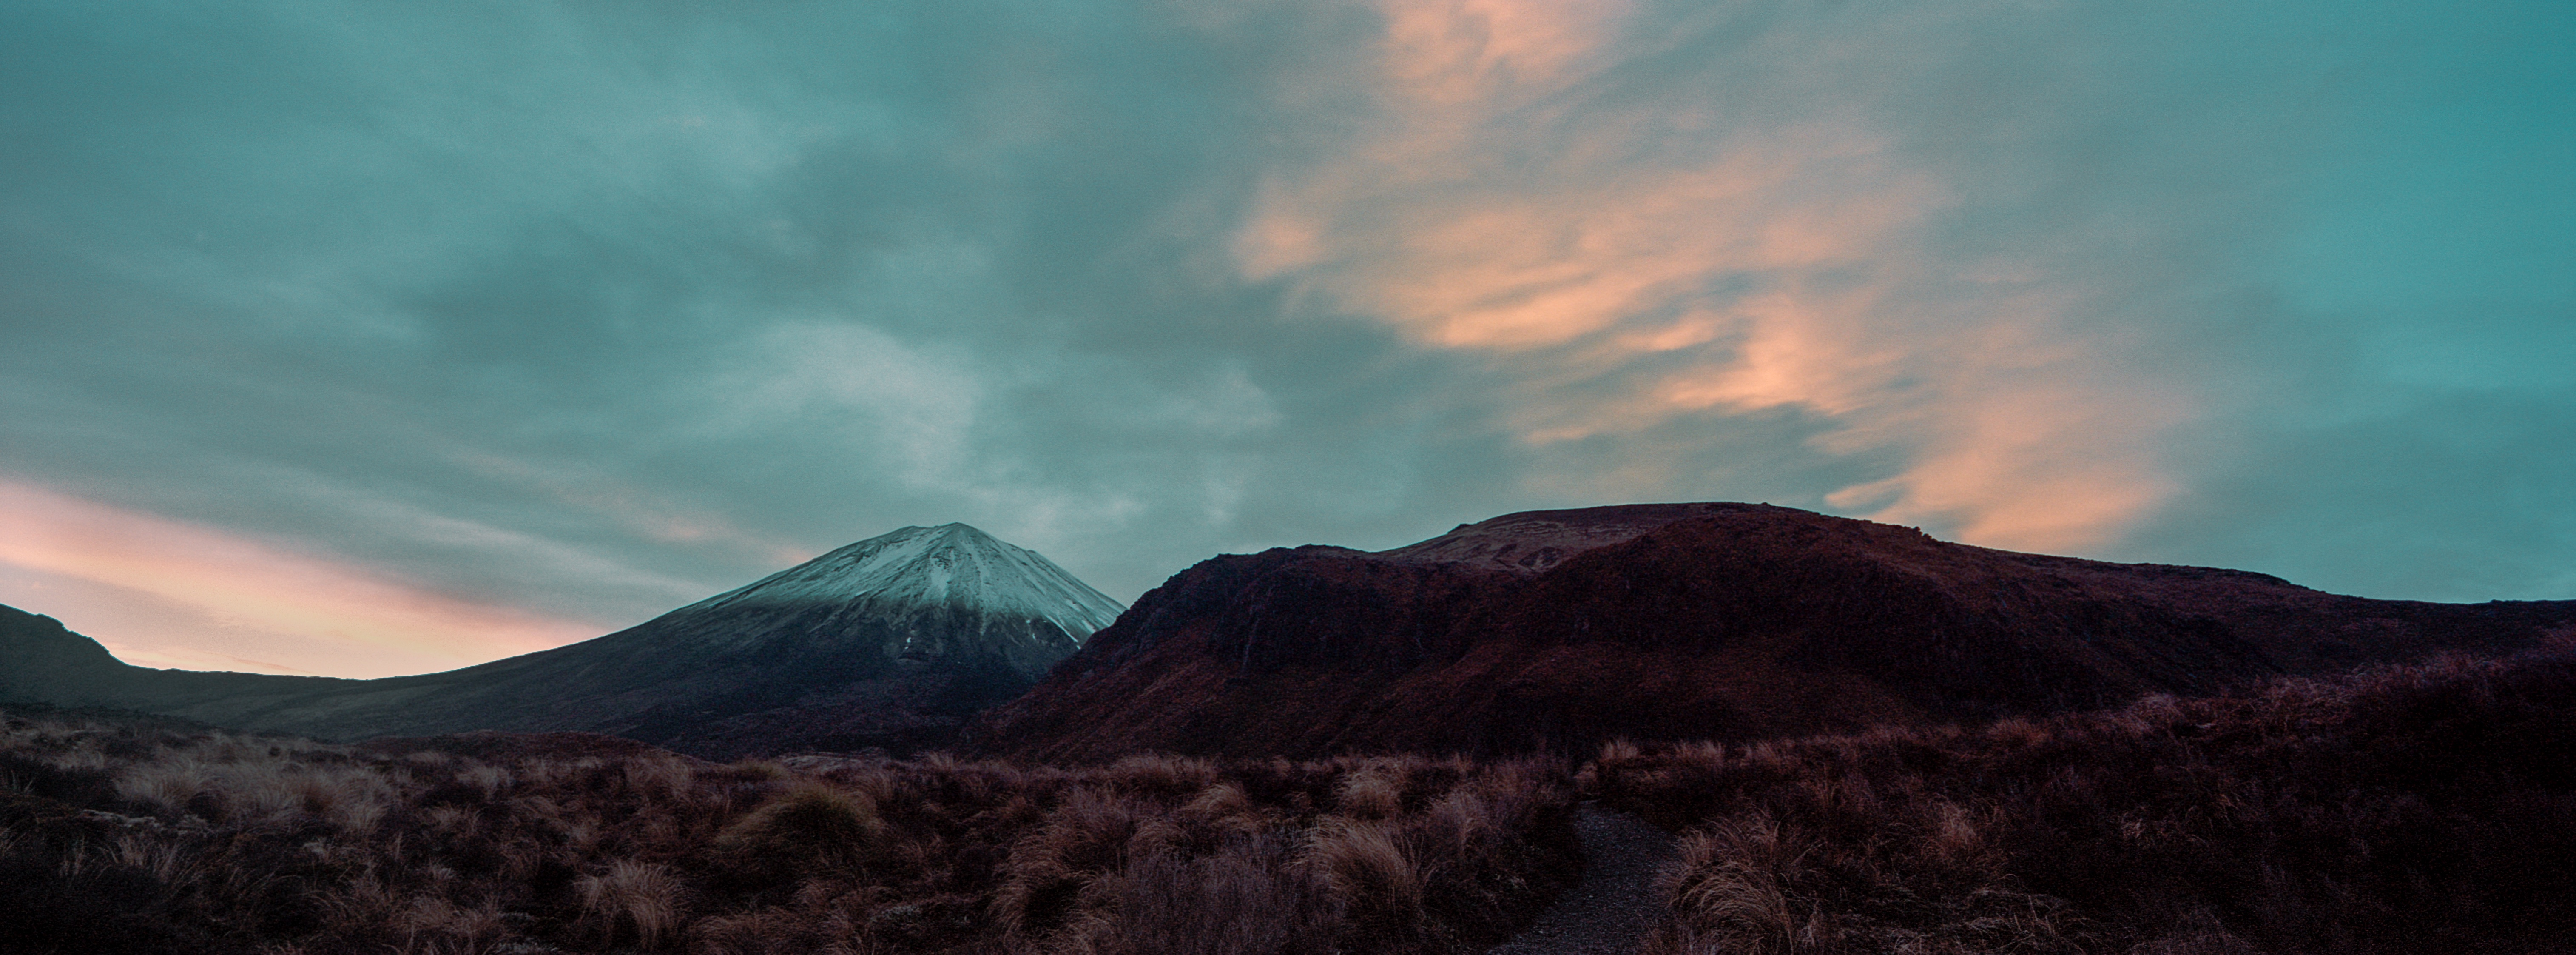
{"points": [[259, 601], [356, 339]]}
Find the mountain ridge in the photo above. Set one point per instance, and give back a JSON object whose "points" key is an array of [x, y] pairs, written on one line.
{"points": [[890, 641], [1669, 621]]}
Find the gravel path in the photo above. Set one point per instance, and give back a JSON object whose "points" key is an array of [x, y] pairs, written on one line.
{"points": [[1608, 912]]}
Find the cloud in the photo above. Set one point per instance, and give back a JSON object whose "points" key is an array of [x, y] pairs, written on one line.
{"points": [[594, 310], [263, 598], [1634, 244], [845, 382], [636, 508]]}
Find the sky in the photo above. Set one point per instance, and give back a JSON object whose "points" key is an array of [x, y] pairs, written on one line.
{"points": [[362, 339]]}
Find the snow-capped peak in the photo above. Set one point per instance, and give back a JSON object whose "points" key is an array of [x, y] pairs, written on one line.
{"points": [[952, 564]]}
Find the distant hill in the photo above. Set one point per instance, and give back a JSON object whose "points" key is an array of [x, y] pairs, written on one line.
{"points": [[892, 642], [1562, 629]]}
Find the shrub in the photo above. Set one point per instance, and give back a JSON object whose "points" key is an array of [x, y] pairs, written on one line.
{"points": [[2419, 808]]}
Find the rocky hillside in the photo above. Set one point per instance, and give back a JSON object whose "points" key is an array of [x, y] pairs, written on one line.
{"points": [[1562, 629]]}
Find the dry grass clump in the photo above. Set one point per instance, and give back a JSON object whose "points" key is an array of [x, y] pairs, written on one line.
{"points": [[1249, 896], [630, 899], [2427, 808], [126, 835], [1737, 879], [1372, 870], [812, 829], [1367, 793], [226, 782], [1288, 857]]}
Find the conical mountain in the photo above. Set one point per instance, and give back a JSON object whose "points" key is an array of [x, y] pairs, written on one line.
{"points": [[926, 593], [892, 641]]}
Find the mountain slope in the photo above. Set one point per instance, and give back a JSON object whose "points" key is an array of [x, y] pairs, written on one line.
{"points": [[1559, 629], [41, 662], [891, 641]]}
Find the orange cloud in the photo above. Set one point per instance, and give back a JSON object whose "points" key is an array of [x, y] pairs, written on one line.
{"points": [[640, 511], [1462, 50], [1630, 259], [255, 601]]}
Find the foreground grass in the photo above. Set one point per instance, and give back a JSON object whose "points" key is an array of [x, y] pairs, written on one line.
{"points": [[2428, 808], [124, 836]]}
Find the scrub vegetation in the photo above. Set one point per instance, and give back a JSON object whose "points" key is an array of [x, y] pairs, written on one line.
{"points": [[137, 835], [2422, 808]]}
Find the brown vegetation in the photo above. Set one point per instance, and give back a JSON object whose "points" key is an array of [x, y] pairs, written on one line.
{"points": [[118, 835], [2426, 808], [1734, 622]]}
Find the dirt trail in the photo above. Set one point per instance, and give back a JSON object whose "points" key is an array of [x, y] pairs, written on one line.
{"points": [[1608, 912]]}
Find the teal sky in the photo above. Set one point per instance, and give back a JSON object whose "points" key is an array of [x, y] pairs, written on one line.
{"points": [[370, 338]]}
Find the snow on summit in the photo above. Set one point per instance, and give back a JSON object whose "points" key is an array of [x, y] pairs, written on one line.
{"points": [[953, 565]]}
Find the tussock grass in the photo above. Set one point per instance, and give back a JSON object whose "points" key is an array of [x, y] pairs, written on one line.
{"points": [[630, 899], [809, 830], [1369, 867], [2427, 808], [1367, 793], [137, 836], [2423, 808]]}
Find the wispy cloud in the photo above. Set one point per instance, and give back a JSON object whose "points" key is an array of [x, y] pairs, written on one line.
{"points": [[1636, 242], [263, 598], [593, 310]]}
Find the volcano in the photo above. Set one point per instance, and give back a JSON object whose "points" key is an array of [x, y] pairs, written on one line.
{"points": [[1558, 630], [890, 642]]}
